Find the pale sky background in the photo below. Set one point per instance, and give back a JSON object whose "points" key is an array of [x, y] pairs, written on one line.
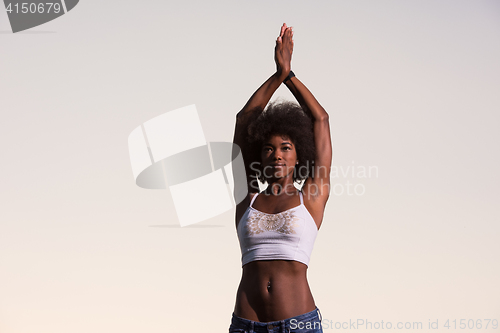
{"points": [[412, 87]]}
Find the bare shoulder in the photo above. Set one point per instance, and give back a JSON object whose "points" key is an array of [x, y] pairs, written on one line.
{"points": [[242, 206]]}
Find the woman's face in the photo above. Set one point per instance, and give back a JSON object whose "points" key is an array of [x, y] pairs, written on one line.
{"points": [[279, 157]]}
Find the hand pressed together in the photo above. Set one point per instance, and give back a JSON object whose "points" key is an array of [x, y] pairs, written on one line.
{"points": [[283, 51]]}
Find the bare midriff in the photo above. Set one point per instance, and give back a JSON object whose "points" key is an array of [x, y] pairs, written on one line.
{"points": [[272, 290]]}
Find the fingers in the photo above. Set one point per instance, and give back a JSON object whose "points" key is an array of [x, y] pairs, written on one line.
{"points": [[284, 40], [288, 40], [283, 28], [282, 32], [288, 35]]}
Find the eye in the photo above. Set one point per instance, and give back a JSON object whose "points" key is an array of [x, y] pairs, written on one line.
{"points": [[287, 148]]}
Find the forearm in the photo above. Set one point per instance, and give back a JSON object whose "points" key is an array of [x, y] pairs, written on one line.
{"points": [[261, 96], [306, 99]]}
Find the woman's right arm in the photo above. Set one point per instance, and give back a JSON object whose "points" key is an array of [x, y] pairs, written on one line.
{"points": [[252, 109], [255, 105], [258, 101]]}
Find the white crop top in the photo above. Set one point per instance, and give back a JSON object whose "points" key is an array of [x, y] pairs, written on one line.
{"points": [[288, 235]]}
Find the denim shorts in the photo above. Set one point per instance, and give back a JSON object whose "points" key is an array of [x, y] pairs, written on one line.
{"points": [[305, 323]]}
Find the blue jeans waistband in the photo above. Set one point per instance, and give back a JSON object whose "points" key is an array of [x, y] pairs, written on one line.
{"points": [[309, 320]]}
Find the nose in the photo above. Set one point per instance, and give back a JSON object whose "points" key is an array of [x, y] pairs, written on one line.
{"points": [[277, 155]]}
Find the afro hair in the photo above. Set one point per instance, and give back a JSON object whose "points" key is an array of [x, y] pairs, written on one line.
{"points": [[287, 119]]}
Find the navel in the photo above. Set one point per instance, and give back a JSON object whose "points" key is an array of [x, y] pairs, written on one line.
{"points": [[269, 286]]}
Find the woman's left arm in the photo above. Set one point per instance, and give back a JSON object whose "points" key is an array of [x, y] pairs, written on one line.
{"points": [[322, 140]]}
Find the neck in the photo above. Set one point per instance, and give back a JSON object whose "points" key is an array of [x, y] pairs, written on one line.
{"points": [[281, 186]]}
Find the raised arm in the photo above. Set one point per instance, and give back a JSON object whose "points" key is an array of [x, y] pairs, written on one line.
{"points": [[258, 101], [322, 140]]}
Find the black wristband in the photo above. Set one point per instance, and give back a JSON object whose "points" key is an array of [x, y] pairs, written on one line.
{"points": [[290, 75]]}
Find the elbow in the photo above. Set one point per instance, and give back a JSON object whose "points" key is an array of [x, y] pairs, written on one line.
{"points": [[320, 114], [323, 118]]}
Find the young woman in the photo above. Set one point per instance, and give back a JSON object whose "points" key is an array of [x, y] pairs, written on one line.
{"points": [[277, 228]]}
